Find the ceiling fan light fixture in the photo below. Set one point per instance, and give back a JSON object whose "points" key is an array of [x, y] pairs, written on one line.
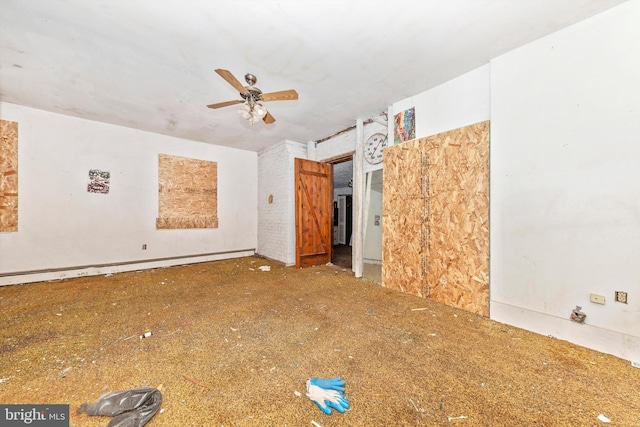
{"points": [[252, 111], [245, 111], [260, 110]]}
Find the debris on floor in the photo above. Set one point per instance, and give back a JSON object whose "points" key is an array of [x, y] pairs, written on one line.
{"points": [[193, 380], [461, 417], [130, 408], [604, 419], [416, 407], [265, 268]]}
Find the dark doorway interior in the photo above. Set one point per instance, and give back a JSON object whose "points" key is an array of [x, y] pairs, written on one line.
{"points": [[342, 210], [349, 218], [342, 250], [342, 256]]}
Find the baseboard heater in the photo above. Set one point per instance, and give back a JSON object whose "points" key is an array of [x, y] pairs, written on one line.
{"points": [[118, 264]]}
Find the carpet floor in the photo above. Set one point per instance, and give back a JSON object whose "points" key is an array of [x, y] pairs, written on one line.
{"points": [[232, 344]]}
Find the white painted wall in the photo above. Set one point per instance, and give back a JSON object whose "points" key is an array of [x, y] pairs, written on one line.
{"points": [[62, 227], [460, 102], [565, 185], [343, 143], [342, 191], [276, 221], [565, 182]]}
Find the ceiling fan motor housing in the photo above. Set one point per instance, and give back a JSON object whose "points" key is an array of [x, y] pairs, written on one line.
{"points": [[250, 79], [253, 95]]}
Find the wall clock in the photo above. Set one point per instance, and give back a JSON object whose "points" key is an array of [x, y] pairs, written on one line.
{"points": [[373, 148]]}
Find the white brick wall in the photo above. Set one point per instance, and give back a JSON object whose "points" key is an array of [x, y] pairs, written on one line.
{"points": [[276, 220], [337, 145]]}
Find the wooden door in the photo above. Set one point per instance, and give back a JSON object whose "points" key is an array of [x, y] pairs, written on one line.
{"points": [[314, 208]]}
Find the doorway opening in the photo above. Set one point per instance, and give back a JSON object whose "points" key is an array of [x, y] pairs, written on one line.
{"points": [[343, 211], [372, 257]]}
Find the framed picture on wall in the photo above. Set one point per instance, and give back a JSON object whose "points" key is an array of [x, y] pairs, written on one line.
{"points": [[405, 126], [98, 181]]}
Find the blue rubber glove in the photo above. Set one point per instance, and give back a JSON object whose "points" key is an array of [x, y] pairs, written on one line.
{"points": [[328, 383], [327, 399]]}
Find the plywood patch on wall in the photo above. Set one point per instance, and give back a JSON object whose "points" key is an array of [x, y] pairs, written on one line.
{"points": [[8, 176], [187, 193], [435, 240]]}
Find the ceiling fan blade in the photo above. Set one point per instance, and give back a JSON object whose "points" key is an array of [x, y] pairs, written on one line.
{"points": [[283, 95], [230, 78], [268, 118], [224, 104]]}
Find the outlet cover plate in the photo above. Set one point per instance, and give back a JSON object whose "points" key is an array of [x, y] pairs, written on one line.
{"points": [[621, 296], [598, 299]]}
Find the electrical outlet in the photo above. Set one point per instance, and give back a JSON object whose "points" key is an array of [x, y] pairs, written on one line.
{"points": [[621, 296], [598, 299], [144, 247]]}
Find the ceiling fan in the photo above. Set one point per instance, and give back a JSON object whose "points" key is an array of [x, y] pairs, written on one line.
{"points": [[252, 107]]}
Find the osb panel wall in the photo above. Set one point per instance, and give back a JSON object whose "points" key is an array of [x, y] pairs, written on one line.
{"points": [[435, 238], [187, 193], [8, 176]]}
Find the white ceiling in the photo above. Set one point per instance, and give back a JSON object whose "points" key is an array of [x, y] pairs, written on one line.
{"points": [[149, 64]]}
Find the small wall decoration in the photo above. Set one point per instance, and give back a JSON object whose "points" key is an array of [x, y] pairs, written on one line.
{"points": [[98, 181], [8, 176], [405, 126]]}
